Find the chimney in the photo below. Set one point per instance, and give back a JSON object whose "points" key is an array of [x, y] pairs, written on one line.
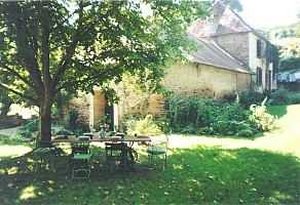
{"points": [[218, 9]]}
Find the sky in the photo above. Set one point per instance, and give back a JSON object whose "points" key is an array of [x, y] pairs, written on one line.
{"points": [[270, 13]]}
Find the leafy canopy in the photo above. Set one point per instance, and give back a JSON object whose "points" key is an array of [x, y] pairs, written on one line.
{"points": [[47, 46]]}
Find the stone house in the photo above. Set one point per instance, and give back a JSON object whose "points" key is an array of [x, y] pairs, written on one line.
{"points": [[229, 31], [231, 57]]}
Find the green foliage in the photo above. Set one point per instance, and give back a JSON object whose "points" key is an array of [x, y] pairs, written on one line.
{"points": [[284, 97], [193, 115], [277, 110], [142, 126], [260, 116], [290, 63], [294, 98], [11, 140], [75, 124], [62, 99], [50, 45], [279, 97], [29, 128], [248, 98], [90, 43]]}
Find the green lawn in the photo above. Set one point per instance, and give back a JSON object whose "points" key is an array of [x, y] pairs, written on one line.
{"points": [[194, 176], [14, 140], [278, 110]]}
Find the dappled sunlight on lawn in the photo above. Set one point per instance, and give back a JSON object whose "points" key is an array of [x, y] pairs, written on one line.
{"points": [[13, 150], [28, 192], [182, 141], [238, 176], [200, 175]]}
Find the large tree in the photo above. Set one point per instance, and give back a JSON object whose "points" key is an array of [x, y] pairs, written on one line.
{"points": [[47, 46]]}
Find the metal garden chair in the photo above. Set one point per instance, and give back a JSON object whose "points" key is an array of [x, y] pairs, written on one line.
{"points": [[158, 151], [81, 157]]}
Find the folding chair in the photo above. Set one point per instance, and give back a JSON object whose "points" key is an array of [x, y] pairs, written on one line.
{"points": [[81, 156], [158, 151], [116, 154]]}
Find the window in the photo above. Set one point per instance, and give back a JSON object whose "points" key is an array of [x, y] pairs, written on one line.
{"points": [[259, 76], [258, 48]]}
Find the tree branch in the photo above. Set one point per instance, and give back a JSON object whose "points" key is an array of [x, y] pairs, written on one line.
{"points": [[6, 87], [70, 50], [25, 52], [16, 74]]}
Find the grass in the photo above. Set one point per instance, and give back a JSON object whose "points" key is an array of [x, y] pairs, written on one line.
{"points": [[278, 110], [194, 176], [12, 140]]}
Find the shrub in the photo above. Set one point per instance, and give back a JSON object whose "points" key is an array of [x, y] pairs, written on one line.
{"points": [[75, 123], [142, 126], [247, 132], [29, 128], [248, 98], [294, 98], [194, 115], [280, 97], [192, 111]]}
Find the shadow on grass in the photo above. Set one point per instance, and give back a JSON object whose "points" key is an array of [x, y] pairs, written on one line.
{"points": [[193, 176], [278, 110]]}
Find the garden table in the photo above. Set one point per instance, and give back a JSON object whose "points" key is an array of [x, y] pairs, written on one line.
{"points": [[128, 139], [128, 142]]}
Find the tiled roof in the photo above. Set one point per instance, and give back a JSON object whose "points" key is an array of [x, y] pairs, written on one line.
{"points": [[211, 54], [228, 22]]}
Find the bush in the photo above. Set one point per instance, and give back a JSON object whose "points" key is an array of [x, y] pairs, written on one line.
{"points": [[284, 97], [12, 140], [248, 98], [294, 98], [142, 126], [192, 115], [189, 112], [75, 124], [29, 128], [280, 97]]}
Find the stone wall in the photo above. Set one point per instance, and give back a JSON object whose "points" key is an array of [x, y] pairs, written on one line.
{"points": [[205, 80], [187, 79]]}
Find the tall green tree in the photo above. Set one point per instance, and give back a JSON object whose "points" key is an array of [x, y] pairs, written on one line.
{"points": [[47, 46]]}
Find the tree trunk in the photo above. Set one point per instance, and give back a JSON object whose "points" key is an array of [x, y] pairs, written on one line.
{"points": [[45, 123]]}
